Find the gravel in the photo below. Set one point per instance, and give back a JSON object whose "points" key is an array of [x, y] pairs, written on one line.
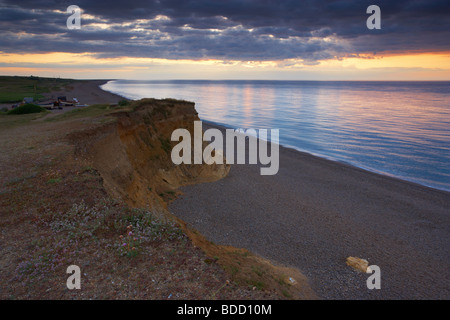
{"points": [[315, 213]]}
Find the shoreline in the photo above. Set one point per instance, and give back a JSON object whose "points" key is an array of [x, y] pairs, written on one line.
{"points": [[330, 158], [89, 92], [316, 212], [325, 211], [98, 83], [324, 158]]}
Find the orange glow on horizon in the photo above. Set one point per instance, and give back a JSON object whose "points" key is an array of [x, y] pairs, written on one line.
{"points": [[410, 66], [421, 60]]}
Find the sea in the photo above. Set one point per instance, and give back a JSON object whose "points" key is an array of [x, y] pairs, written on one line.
{"points": [[400, 129]]}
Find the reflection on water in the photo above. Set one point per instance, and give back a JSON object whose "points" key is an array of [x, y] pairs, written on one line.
{"points": [[396, 128]]}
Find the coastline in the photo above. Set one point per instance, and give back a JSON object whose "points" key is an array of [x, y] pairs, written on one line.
{"points": [[398, 164], [224, 126], [93, 92], [316, 212], [87, 92]]}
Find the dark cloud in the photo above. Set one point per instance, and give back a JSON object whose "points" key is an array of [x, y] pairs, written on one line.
{"points": [[229, 30]]}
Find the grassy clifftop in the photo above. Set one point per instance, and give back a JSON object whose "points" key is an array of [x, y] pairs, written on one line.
{"points": [[14, 89]]}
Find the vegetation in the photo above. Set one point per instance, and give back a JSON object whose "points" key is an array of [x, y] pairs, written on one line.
{"points": [[94, 110], [8, 122], [162, 103], [54, 180], [124, 102], [26, 109], [14, 89]]}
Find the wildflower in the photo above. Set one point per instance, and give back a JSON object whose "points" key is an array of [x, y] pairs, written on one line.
{"points": [[124, 244]]}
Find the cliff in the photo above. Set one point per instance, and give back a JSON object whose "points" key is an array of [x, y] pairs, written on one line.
{"points": [[132, 153]]}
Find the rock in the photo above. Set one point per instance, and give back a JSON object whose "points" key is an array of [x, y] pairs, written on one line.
{"points": [[358, 264]]}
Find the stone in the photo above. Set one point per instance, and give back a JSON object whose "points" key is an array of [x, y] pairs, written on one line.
{"points": [[358, 264]]}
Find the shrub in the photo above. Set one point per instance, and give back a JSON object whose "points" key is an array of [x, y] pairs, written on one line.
{"points": [[26, 108], [124, 102]]}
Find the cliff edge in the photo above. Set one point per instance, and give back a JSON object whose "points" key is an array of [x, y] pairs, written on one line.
{"points": [[132, 154]]}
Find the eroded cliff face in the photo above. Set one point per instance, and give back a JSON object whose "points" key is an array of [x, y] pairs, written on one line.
{"points": [[132, 153]]}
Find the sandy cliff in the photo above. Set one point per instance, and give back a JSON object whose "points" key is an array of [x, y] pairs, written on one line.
{"points": [[132, 154]]}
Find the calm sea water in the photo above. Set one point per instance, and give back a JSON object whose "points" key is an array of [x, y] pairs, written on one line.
{"points": [[400, 129]]}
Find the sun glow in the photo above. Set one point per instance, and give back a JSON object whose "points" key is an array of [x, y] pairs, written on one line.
{"points": [[421, 60], [427, 66]]}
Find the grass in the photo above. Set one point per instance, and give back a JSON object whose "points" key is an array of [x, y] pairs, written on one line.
{"points": [[123, 103], [286, 293], [257, 284], [94, 110], [54, 180], [8, 121], [14, 89], [84, 225], [26, 109], [19, 179], [257, 271]]}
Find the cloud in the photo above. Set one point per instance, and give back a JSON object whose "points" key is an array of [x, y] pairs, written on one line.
{"points": [[226, 30]]}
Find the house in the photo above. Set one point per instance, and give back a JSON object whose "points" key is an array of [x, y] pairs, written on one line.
{"points": [[28, 100]]}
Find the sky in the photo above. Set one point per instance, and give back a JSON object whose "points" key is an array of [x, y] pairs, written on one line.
{"points": [[227, 39]]}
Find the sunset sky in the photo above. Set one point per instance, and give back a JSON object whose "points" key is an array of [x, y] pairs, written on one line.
{"points": [[233, 39]]}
